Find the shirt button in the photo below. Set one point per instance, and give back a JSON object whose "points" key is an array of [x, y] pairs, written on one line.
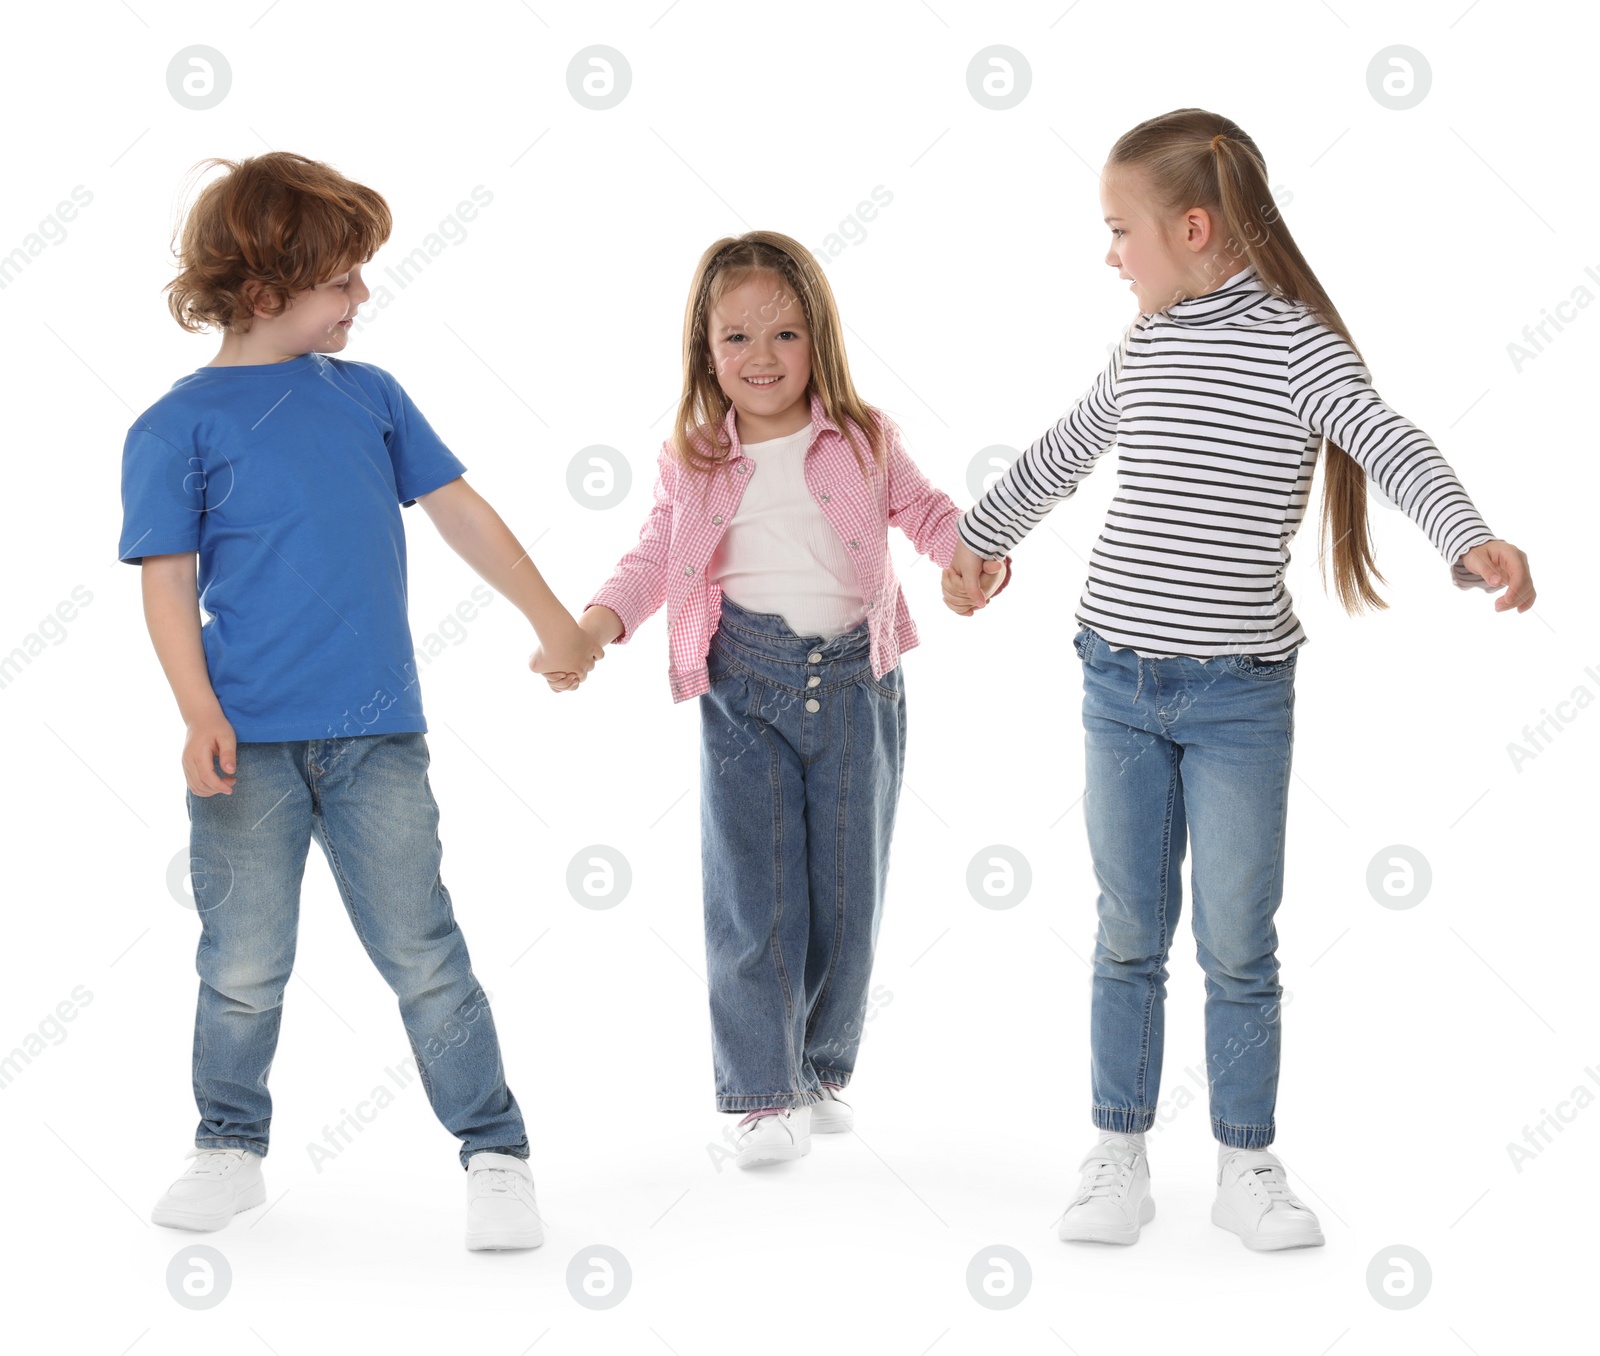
{"points": [[815, 657], [716, 518], [741, 468], [824, 499], [854, 545], [812, 704], [688, 569], [813, 680]]}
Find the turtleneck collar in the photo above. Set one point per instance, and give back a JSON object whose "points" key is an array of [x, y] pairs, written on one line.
{"points": [[1236, 296]]}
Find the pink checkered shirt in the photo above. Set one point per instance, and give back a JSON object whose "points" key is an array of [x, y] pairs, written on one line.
{"points": [[690, 515]]}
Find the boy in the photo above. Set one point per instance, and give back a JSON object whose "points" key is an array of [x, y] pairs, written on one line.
{"points": [[281, 472]]}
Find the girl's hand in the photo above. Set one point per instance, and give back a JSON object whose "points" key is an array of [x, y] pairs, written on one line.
{"points": [[992, 574], [1499, 562], [968, 566], [601, 626], [575, 653], [559, 680], [211, 736]]}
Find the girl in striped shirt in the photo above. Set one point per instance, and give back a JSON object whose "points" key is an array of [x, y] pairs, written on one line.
{"points": [[1236, 372], [768, 543]]}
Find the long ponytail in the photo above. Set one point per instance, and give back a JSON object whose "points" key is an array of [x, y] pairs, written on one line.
{"points": [[1194, 158]]}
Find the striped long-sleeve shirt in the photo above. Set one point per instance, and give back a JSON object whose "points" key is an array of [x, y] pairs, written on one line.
{"points": [[1217, 406]]}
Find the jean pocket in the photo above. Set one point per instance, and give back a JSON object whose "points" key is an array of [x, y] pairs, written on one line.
{"points": [[890, 686], [1248, 666], [1083, 642]]}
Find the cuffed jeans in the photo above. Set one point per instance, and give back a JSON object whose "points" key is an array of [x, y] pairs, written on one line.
{"points": [[367, 801], [802, 757], [1177, 749]]}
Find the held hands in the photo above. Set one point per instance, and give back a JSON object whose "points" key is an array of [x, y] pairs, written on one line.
{"points": [[1499, 562], [566, 667], [969, 580]]}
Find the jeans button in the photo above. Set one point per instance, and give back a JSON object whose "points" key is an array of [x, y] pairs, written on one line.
{"points": [[813, 680], [812, 704], [815, 657]]}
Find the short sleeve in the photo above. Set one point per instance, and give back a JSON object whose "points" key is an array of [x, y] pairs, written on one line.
{"points": [[422, 463], [163, 497]]}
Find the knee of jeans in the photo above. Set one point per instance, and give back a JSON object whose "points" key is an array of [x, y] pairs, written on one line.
{"points": [[1127, 944], [253, 984], [1237, 964]]}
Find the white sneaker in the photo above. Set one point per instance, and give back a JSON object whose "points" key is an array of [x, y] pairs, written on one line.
{"points": [[1113, 1198], [501, 1209], [774, 1138], [218, 1185], [1254, 1201], [830, 1116]]}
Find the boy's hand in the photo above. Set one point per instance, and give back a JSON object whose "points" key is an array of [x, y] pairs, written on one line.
{"points": [[564, 669], [210, 736], [956, 597], [601, 625], [559, 681]]}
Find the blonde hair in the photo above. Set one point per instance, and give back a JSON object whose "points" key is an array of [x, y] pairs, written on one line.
{"points": [[1193, 158], [698, 439]]}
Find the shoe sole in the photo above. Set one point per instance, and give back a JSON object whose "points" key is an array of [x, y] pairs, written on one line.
{"points": [[756, 1158], [505, 1242], [1068, 1233], [1259, 1243], [173, 1218]]}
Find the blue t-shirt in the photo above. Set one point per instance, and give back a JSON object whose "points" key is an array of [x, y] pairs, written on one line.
{"points": [[288, 479]]}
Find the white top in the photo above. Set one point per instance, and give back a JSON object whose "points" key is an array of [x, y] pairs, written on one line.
{"points": [[780, 553], [1218, 406]]}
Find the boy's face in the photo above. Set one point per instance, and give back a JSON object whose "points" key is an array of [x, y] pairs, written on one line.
{"points": [[317, 320]]}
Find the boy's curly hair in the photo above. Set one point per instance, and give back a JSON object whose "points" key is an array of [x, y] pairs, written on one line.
{"points": [[273, 225]]}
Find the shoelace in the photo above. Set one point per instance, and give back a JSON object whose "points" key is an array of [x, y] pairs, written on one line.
{"points": [[1271, 1177], [1101, 1177]]}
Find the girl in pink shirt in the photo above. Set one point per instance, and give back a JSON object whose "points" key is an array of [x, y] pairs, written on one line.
{"points": [[768, 542]]}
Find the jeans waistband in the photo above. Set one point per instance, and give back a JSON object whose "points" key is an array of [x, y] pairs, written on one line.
{"points": [[769, 634]]}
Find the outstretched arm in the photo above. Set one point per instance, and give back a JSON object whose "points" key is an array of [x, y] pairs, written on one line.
{"points": [[1048, 472], [928, 516], [1332, 395], [476, 533]]}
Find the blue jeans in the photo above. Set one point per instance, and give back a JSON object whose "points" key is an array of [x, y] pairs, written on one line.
{"points": [[367, 801], [802, 756], [1200, 749]]}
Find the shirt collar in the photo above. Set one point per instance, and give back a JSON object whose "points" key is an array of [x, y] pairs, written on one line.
{"points": [[819, 422], [1236, 295]]}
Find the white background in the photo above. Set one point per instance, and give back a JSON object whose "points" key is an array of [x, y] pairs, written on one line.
{"points": [[1418, 1043]]}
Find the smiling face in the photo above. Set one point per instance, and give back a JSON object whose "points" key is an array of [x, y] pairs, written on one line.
{"points": [[1164, 256], [317, 320], [761, 350]]}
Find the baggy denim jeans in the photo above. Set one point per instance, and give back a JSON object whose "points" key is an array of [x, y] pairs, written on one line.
{"points": [[1183, 749], [802, 757], [367, 801]]}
